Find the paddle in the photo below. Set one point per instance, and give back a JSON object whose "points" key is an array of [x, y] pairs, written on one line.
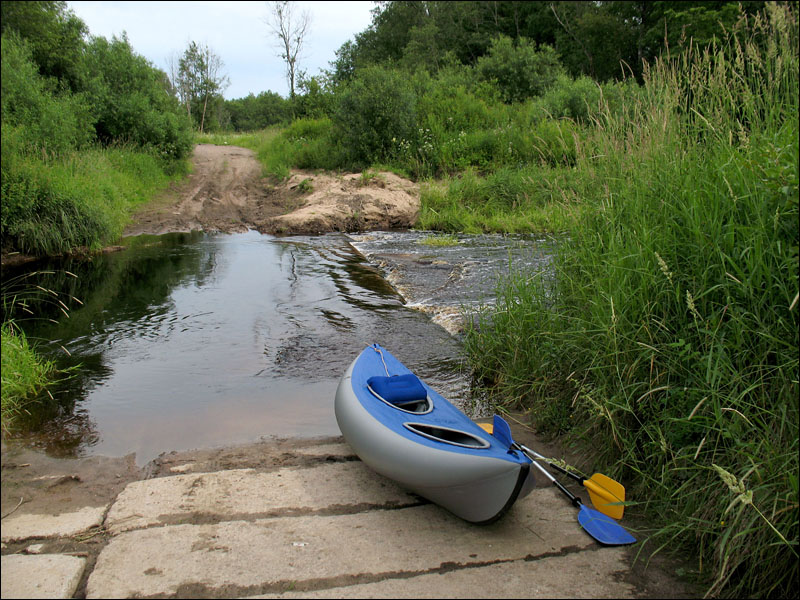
{"points": [[606, 494], [602, 528]]}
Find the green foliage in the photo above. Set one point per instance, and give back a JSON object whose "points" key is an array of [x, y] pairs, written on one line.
{"points": [[105, 91], [603, 40], [439, 240], [198, 80], [555, 142], [305, 186], [374, 110], [131, 100], [315, 100], [257, 112], [23, 373], [78, 199], [53, 122], [509, 200], [520, 70], [54, 34], [574, 99], [311, 144], [445, 125], [59, 103]]}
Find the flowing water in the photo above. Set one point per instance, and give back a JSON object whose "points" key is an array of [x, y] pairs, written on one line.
{"points": [[202, 340]]}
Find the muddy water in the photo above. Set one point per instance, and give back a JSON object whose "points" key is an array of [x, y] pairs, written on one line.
{"points": [[201, 340]]}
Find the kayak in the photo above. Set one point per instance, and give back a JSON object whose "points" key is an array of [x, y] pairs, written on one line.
{"points": [[406, 431]]}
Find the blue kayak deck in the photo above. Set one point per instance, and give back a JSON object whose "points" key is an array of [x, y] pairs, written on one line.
{"points": [[443, 419]]}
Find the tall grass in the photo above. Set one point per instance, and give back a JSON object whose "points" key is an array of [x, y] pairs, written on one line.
{"points": [[55, 203], [510, 200], [24, 372], [667, 339], [23, 375]]}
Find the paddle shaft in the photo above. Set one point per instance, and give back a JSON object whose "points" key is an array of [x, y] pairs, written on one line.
{"points": [[574, 476], [576, 502]]}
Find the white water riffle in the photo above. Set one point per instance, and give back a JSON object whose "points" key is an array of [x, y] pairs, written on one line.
{"points": [[450, 280]]}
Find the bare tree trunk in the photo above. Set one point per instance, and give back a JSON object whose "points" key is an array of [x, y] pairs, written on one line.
{"points": [[576, 38], [291, 32], [203, 116]]}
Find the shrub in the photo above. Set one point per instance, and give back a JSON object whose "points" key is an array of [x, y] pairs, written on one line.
{"points": [[257, 112], [520, 71], [131, 102], [374, 111], [572, 98]]}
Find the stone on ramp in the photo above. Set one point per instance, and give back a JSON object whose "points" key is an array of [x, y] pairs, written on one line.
{"points": [[575, 575], [23, 526]]}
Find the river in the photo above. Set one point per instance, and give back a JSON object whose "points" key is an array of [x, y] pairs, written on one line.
{"points": [[200, 340]]}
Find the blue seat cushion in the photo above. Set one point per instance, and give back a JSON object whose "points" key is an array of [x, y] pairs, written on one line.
{"points": [[399, 389]]}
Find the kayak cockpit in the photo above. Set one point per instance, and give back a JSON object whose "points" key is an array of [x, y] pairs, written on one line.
{"points": [[446, 435]]}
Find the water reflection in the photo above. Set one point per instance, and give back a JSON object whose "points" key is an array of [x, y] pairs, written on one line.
{"points": [[196, 340]]}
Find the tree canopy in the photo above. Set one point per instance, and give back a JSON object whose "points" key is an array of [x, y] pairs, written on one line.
{"points": [[604, 40]]}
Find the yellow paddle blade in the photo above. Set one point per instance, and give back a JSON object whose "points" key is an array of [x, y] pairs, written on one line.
{"points": [[606, 495], [487, 427]]}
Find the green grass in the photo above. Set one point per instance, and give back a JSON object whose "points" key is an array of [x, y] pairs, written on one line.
{"points": [[24, 374], [439, 240], [666, 340], [53, 204], [507, 201], [306, 144]]}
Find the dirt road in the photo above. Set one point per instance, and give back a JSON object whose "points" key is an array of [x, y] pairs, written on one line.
{"points": [[226, 192]]}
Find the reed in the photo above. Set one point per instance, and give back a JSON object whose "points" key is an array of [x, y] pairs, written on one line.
{"points": [[667, 337]]}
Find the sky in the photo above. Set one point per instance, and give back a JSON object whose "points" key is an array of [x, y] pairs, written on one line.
{"points": [[237, 32]]}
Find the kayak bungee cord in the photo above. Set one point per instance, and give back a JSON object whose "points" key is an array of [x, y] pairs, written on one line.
{"points": [[378, 350]]}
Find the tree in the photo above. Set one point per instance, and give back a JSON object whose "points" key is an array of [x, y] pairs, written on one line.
{"points": [[54, 34], [291, 30], [375, 111], [257, 112], [198, 80], [131, 101]]}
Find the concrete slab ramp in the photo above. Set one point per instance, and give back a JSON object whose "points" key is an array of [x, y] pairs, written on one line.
{"points": [[338, 530]]}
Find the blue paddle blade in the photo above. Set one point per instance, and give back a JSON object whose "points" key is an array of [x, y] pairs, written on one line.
{"points": [[603, 528], [502, 431]]}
